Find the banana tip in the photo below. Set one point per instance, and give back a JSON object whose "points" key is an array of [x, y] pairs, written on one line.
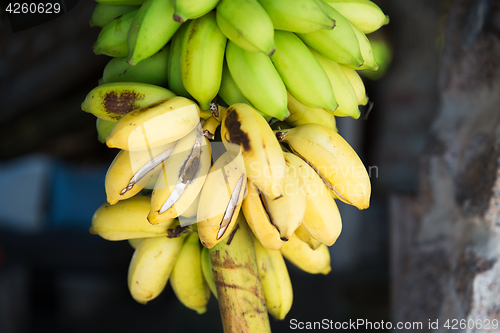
{"points": [[272, 52], [178, 18]]}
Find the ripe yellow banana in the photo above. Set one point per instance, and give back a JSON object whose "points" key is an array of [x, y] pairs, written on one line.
{"points": [[127, 219], [339, 44], [202, 55], [206, 267], [221, 198], [134, 242], [342, 87], [357, 84], [322, 219], [302, 114], [187, 279], [181, 177], [259, 221], [333, 159], [155, 125], [275, 281], [264, 162], [131, 171], [301, 255], [151, 265], [192, 9], [210, 127], [257, 79], [298, 15], [246, 24], [302, 74], [302, 234], [365, 14], [111, 101]]}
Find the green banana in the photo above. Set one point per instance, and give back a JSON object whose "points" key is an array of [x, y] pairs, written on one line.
{"points": [[357, 84], [112, 40], [103, 14], [206, 267], [257, 79], [192, 9], [366, 51], [202, 55], [301, 16], [302, 74], [104, 128], [228, 90], [247, 24], [339, 44], [364, 14], [152, 70], [174, 63], [121, 2], [150, 30], [111, 101]]}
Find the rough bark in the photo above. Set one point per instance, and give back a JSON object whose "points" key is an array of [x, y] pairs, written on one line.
{"points": [[446, 239]]}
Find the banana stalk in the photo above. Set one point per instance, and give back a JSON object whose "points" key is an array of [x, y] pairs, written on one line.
{"points": [[241, 299]]}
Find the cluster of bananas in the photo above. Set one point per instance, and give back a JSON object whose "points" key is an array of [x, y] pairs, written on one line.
{"points": [[238, 66]]}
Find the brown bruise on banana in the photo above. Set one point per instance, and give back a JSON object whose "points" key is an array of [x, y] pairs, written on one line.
{"points": [[188, 172], [119, 103], [233, 126], [231, 207], [281, 136], [148, 167]]}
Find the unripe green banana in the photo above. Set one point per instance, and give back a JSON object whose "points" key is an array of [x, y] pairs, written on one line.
{"points": [[302, 114], [247, 24], [103, 14], [151, 265], [303, 76], [150, 30], [228, 91], [112, 40], [121, 2], [187, 279], [155, 125], [206, 268], [301, 255], [152, 70], [192, 9], [366, 51], [298, 16], [364, 14], [275, 280], [202, 55], [257, 79], [111, 101], [339, 44], [342, 87], [127, 219], [104, 128], [174, 64], [357, 84]]}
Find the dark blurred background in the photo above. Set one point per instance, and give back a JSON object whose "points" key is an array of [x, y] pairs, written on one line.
{"points": [[55, 276]]}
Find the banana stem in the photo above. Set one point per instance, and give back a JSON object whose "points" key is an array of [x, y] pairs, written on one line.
{"points": [[241, 299]]}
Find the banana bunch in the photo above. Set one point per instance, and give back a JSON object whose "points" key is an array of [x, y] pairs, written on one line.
{"points": [[188, 99]]}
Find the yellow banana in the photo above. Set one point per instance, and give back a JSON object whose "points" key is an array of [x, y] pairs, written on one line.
{"points": [[111, 101], [151, 265], [155, 125], [342, 87], [202, 55], [134, 242], [131, 171], [301, 255], [210, 127], [302, 114], [187, 279], [322, 219], [206, 267], [365, 14], [127, 219], [221, 198], [259, 221], [275, 281], [302, 234], [264, 162], [357, 84], [181, 178], [333, 159]]}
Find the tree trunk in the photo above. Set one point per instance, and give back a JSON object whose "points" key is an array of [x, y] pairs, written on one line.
{"points": [[445, 241]]}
